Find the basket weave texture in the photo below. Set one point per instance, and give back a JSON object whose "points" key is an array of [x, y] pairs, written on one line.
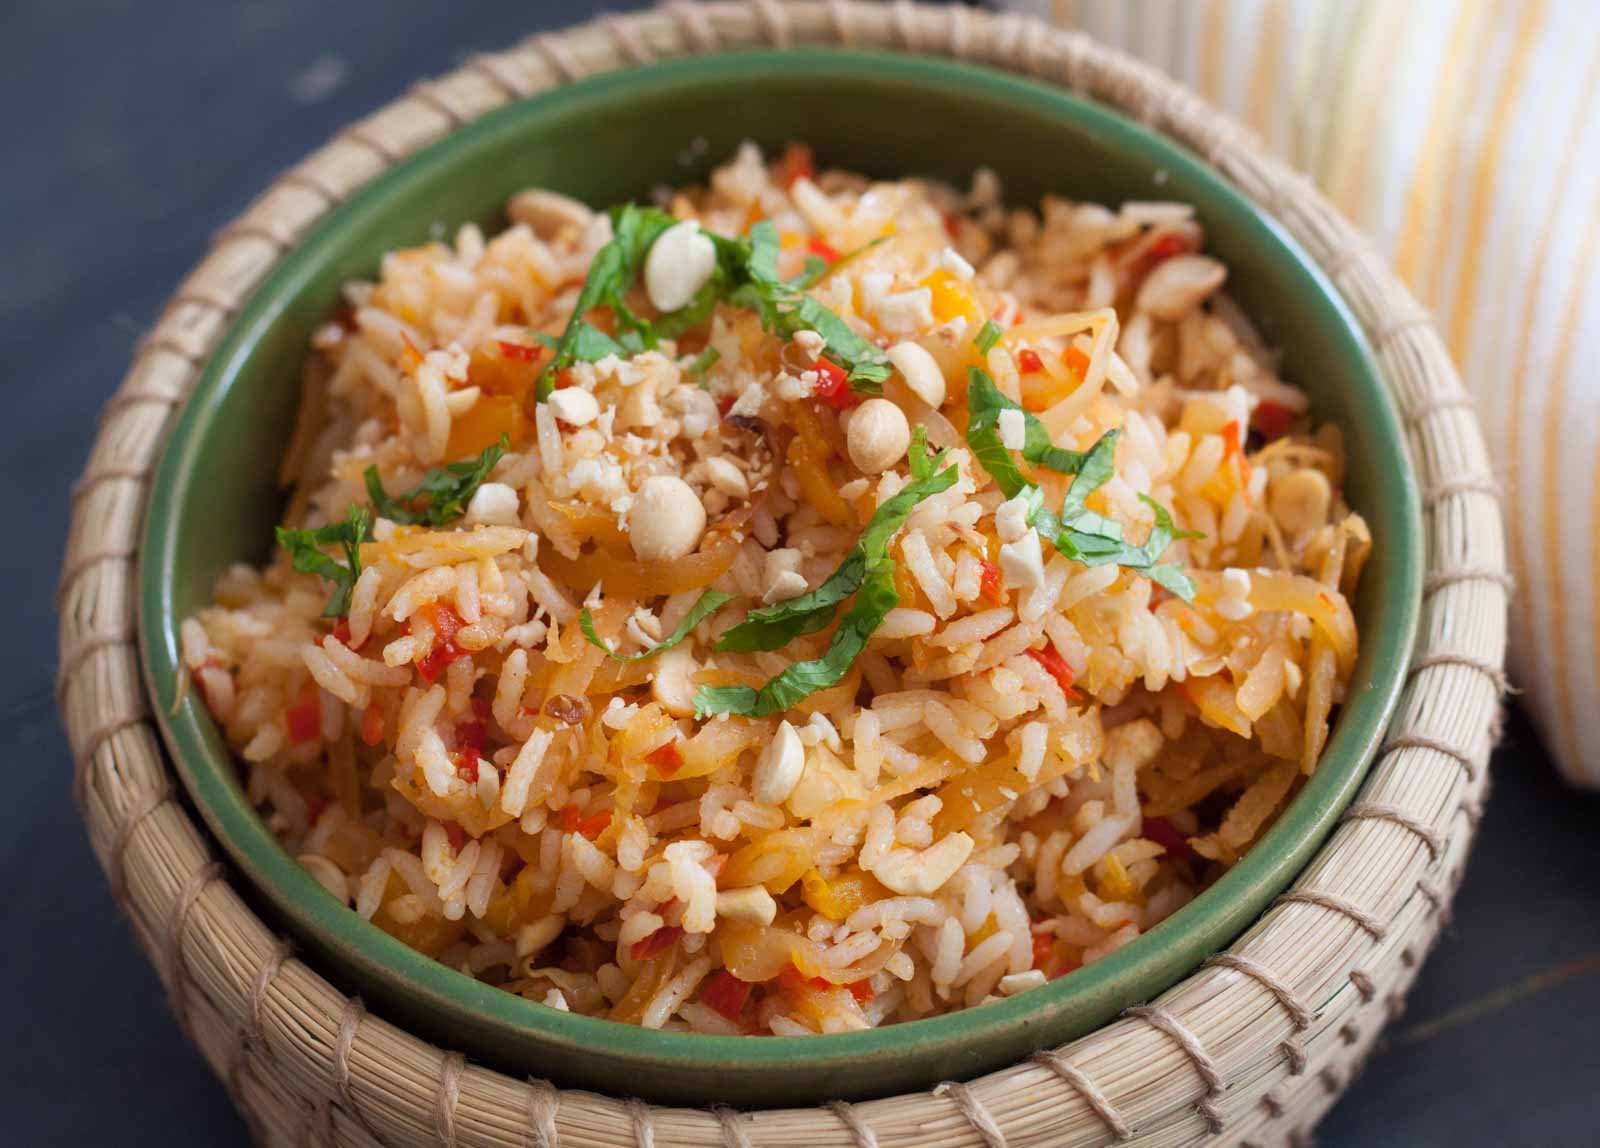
{"points": [[1250, 1049]]}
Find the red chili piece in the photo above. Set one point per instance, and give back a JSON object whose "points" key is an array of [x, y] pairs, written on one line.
{"points": [[1167, 246], [304, 718], [1166, 835], [446, 623], [725, 993], [656, 943], [1273, 420], [991, 585], [518, 351], [591, 826], [1056, 666], [667, 759], [833, 386], [1043, 943], [823, 251]]}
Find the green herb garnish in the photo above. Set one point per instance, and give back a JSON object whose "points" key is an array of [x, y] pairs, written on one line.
{"points": [[746, 275], [704, 606], [305, 551], [772, 627], [988, 335], [986, 401], [447, 489], [752, 267], [611, 275], [816, 267], [703, 362], [875, 598], [1074, 530], [867, 572]]}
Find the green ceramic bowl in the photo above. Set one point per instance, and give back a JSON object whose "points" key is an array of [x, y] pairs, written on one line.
{"points": [[615, 137]]}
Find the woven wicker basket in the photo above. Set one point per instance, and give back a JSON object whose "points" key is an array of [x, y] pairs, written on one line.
{"points": [[1251, 1049]]}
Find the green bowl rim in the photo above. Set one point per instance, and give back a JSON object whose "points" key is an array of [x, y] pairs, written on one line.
{"points": [[214, 787]]}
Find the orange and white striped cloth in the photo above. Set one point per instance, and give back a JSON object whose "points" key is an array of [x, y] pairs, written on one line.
{"points": [[1462, 135]]}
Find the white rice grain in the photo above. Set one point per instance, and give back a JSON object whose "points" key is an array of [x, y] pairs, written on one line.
{"points": [[520, 777], [919, 560], [973, 628], [369, 895], [672, 994], [1093, 845], [955, 736], [328, 875]]}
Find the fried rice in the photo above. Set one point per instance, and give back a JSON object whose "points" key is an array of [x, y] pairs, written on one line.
{"points": [[862, 602]]}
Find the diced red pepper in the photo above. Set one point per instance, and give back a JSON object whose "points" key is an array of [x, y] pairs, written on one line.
{"points": [[446, 623], [315, 807], [833, 386], [467, 759], [341, 634], [656, 943], [862, 991], [1166, 835], [1170, 244], [990, 583], [304, 718], [521, 352], [1043, 945], [456, 835], [435, 662], [1056, 666], [725, 993], [564, 379], [473, 735], [1028, 361], [1164, 248], [796, 163], [667, 759], [820, 249], [591, 826], [372, 725], [1273, 420]]}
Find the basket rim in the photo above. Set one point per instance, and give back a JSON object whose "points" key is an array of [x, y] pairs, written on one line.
{"points": [[1272, 862], [1257, 1044]]}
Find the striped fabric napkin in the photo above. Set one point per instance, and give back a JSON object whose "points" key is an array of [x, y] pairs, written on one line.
{"points": [[1462, 135]]}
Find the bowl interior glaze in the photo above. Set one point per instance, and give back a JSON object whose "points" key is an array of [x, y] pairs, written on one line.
{"points": [[616, 137]]}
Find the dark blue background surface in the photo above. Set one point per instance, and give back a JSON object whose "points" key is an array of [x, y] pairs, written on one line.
{"points": [[131, 132]]}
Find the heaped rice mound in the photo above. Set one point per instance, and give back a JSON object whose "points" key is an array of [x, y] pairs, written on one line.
{"points": [[802, 605]]}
